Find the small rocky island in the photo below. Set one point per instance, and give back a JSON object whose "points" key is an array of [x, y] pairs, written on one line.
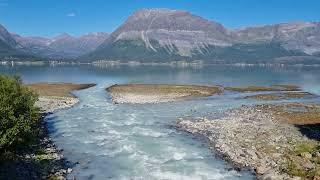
{"points": [[158, 93]]}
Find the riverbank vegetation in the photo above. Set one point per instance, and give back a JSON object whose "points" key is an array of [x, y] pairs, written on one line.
{"points": [[26, 151], [19, 116]]}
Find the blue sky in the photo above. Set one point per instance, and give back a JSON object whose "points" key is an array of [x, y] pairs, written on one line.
{"points": [[51, 17]]}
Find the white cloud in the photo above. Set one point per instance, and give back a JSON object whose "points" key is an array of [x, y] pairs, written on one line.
{"points": [[72, 14]]}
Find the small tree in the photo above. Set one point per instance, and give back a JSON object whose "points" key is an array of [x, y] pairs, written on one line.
{"points": [[19, 118]]}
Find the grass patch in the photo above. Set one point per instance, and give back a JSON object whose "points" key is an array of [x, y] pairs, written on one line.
{"points": [[280, 96], [311, 148], [295, 113], [264, 88], [302, 165], [57, 89]]}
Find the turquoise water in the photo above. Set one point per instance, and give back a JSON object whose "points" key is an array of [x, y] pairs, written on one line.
{"points": [[118, 141]]}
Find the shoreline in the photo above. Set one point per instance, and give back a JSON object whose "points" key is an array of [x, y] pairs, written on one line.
{"points": [[179, 64], [251, 138], [49, 104], [44, 160]]}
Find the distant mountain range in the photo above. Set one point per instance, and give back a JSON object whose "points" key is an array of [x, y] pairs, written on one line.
{"points": [[162, 35], [63, 46]]}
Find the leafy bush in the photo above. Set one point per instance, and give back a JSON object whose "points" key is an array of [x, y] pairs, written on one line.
{"points": [[19, 118]]}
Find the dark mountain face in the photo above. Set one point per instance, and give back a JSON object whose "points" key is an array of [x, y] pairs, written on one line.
{"points": [[6, 51], [6, 37], [63, 46], [9, 48], [163, 34]]}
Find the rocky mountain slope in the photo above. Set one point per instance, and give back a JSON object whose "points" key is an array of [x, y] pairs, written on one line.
{"points": [[162, 34], [302, 36], [6, 37]]}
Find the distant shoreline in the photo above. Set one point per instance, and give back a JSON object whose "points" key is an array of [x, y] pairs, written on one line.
{"points": [[180, 64]]}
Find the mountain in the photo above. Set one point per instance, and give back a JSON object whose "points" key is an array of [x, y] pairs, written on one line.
{"points": [[301, 36], [63, 46], [9, 48], [6, 37], [164, 35], [161, 33]]}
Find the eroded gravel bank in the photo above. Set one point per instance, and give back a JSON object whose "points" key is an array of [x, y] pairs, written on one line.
{"points": [[252, 138]]}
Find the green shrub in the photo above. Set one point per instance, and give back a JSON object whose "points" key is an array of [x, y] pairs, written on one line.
{"points": [[19, 118]]}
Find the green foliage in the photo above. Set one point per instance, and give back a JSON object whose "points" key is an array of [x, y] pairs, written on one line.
{"points": [[19, 118], [307, 147], [296, 160]]}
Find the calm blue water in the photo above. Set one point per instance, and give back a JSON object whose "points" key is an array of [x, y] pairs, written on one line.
{"points": [[138, 141]]}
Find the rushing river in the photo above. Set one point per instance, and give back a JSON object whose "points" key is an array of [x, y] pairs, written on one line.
{"points": [[120, 141]]}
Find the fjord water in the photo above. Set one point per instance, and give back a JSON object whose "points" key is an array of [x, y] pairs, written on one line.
{"points": [[121, 141]]}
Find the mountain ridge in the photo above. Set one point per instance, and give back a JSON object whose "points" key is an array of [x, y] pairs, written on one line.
{"points": [[187, 36], [161, 34]]}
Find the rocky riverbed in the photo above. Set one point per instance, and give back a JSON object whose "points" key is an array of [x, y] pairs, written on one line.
{"points": [[254, 138]]}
